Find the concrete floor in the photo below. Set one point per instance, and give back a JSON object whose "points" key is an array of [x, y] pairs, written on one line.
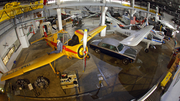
{"points": [[120, 82]]}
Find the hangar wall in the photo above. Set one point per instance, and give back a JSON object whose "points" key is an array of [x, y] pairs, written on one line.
{"points": [[6, 41], [10, 36]]}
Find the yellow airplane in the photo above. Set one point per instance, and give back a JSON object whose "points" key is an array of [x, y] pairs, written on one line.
{"points": [[71, 48]]}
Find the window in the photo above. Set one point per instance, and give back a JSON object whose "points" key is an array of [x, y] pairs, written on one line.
{"points": [[60, 36], [149, 37], [120, 47], [8, 55], [10, 51], [106, 45], [64, 37], [113, 48]]}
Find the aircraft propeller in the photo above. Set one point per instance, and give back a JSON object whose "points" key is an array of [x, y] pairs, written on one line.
{"points": [[84, 48]]}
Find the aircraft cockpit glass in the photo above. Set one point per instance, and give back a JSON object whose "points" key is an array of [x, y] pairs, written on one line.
{"points": [[64, 37], [150, 36], [154, 37]]}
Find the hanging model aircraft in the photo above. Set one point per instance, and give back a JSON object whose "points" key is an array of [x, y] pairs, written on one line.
{"points": [[92, 13], [152, 38], [121, 24], [165, 26], [72, 48], [76, 20]]}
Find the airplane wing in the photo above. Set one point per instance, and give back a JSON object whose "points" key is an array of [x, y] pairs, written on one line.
{"points": [[137, 37], [167, 24], [95, 31], [91, 33], [46, 59]]}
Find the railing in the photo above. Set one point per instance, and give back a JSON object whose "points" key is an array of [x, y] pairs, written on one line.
{"points": [[11, 12]]}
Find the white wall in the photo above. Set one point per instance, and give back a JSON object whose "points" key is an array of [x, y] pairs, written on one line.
{"points": [[9, 36], [13, 58], [53, 12]]}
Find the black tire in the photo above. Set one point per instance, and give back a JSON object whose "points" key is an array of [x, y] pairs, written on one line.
{"points": [[125, 61], [146, 50], [97, 50]]}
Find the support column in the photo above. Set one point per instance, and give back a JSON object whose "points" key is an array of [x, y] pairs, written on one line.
{"points": [[147, 17], [157, 17], [22, 37], [103, 18], [43, 13], [131, 12], [34, 23], [59, 19]]}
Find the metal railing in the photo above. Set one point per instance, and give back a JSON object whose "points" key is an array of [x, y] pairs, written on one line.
{"points": [[11, 11]]}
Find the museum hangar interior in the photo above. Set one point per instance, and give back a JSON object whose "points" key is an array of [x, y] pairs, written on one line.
{"points": [[119, 50]]}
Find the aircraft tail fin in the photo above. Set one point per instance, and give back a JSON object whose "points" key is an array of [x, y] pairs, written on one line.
{"points": [[108, 14], [113, 25]]}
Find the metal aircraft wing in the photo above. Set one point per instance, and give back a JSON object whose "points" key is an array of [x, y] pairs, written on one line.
{"points": [[93, 32], [167, 24], [41, 61], [137, 37]]}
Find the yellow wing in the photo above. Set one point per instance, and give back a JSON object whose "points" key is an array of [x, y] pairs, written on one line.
{"points": [[93, 32], [46, 59]]}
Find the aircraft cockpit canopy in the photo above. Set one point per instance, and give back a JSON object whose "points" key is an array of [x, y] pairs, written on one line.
{"points": [[64, 37]]}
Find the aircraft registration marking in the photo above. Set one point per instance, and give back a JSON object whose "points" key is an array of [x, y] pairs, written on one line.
{"points": [[127, 33], [16, 69]]}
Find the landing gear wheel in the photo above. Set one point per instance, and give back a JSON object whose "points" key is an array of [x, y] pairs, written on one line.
{"points": [[125, 61], [97, 50], [88, 56], [146, 50]]}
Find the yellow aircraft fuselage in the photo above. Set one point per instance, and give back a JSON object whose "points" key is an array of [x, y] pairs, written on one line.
{"points": [[75, 51]]}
